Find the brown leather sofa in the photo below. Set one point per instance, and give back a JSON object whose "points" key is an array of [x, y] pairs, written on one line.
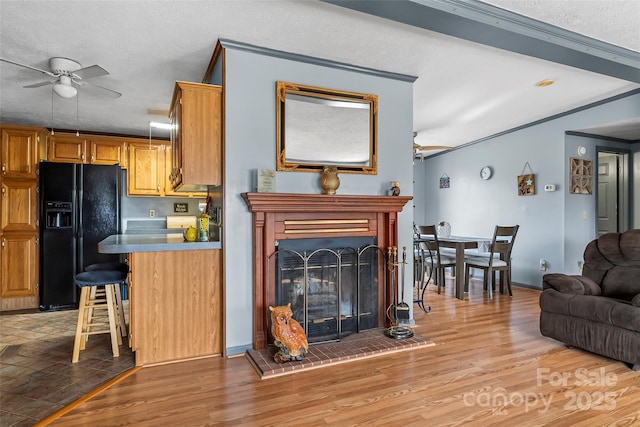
{"points": [[598, 311]]}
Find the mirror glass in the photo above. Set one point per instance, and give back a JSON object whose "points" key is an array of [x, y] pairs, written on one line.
{"points": [[319, 127]]}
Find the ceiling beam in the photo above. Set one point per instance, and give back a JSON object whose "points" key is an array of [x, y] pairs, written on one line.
{"points": [[489, 25]]}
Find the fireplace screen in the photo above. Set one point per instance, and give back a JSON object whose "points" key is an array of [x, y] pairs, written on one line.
{"points": [[332, 284]]}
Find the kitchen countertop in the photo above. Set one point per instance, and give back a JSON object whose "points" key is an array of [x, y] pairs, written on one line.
{"points": [[128, 243]]}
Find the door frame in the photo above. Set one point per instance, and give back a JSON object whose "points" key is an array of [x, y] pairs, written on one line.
{"points": [[624, 171]]}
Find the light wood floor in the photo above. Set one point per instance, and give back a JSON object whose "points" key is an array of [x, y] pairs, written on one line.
{"points": [[490, 366]]}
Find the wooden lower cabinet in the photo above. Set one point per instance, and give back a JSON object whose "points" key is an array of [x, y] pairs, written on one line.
{"points": [[19, 271], [175, 305]]}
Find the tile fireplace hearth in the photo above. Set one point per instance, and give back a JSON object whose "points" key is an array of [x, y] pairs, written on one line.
{"points": [[285, 216]]}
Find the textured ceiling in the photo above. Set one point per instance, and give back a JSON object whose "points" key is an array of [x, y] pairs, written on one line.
{"points": [[465, 91], [615, 21]]}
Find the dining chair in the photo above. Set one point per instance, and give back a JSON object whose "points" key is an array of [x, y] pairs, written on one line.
{"points": [[431, 257], [498, 259]]}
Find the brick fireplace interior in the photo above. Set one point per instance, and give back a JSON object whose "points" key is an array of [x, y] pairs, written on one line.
{"points": [[284, 220]]}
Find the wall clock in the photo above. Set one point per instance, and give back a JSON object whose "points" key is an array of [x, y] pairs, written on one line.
{"points": [[486, 172]]}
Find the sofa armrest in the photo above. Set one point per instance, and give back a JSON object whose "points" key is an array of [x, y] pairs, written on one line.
{"points": [[571, 284]]}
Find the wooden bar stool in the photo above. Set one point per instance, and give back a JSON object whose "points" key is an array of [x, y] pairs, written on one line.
{"points": [[97, 312], [124, 269]]}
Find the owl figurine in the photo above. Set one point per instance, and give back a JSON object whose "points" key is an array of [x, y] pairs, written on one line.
{"points": [[288, 335]]}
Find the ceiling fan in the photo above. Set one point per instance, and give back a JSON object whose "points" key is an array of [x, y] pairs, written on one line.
{"points": [[418, 150], [68, 75]]}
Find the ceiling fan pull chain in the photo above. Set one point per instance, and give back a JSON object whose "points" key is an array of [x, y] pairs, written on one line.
{"points": [[52, 132], [77, 114]]}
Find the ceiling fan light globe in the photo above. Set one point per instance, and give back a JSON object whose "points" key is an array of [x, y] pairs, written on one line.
{"points": [[65, 91]]}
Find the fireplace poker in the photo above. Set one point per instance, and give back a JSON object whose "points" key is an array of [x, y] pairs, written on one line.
{"points": [[402, 309], [391, 266]]}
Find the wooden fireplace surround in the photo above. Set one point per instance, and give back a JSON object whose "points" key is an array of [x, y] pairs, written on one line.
{"points": [[281, 216]]}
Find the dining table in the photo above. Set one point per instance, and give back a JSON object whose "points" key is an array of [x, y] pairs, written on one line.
{"points": [[460, 244]]}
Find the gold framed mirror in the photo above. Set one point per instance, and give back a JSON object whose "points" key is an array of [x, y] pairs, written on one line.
{"points": [[318, 127]]}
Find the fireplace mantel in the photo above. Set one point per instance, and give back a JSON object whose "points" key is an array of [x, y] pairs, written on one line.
{"points": [[278, 216]]}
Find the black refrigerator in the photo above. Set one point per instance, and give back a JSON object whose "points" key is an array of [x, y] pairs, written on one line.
{"points": [[79, 207]]}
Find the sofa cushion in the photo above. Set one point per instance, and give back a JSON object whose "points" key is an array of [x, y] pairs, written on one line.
{"points": [[572, 284], [622, 282], [626, 316], [613, 262], [636, 301], [598, 309]]}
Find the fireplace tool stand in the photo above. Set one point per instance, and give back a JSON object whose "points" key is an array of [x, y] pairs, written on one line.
{"points": [[400, 308]]}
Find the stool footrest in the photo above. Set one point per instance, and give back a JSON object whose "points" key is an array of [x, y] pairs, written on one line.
{"points": [[105, 331]]}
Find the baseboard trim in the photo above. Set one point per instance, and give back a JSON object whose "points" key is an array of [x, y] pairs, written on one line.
{"points": [[526, 285]]}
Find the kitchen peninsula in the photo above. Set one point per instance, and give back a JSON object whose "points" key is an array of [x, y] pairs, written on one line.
{"points": [[175, 296]]}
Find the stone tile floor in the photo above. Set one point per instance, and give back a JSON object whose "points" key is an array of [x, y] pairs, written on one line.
{"points": [[36, 374]]}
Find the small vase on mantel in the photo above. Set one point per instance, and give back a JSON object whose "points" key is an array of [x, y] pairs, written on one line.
{"points": [[329, 180]]}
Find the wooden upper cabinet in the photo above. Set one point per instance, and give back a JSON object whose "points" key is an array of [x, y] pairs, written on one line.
{"points": [[67, 148], [20, 148], [19, 265], [168, 188], [19, 205], [146, 169], [90, 149], [149, 169], [196, 137], [108, 151]]}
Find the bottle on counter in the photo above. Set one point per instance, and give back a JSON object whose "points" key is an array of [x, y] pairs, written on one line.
{"points": [[203, 226]]}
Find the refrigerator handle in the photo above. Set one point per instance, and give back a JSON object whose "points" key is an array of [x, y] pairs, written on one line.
{"points": [[77, 194]]}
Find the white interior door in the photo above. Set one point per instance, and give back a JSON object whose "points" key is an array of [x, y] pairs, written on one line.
{"points": [[607, 193]]}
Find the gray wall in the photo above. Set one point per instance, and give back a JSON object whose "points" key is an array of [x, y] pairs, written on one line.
{"points": [[578, 230], [552, 224], [137, 208], [250, 145]]}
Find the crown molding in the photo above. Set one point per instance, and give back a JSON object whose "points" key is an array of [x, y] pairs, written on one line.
{"points": [[232, 44], [546, 119]]}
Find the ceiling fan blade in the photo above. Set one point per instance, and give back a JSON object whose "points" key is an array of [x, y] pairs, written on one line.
{"points": [[432, 147], [40, 84], [111, 92], [48, 73], [90, 72]]}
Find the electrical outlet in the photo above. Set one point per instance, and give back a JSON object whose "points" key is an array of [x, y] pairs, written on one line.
{"points": [[585, 214], [543, 265], [152, 213]]}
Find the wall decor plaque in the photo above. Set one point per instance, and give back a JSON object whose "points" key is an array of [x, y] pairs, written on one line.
{"points": [[445, 181], [526, 182], [581, 175], [526, 185], [266, 180], [181, 207]]}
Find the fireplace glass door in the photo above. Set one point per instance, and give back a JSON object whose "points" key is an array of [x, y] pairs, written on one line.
{"points": [[331, 284]]}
